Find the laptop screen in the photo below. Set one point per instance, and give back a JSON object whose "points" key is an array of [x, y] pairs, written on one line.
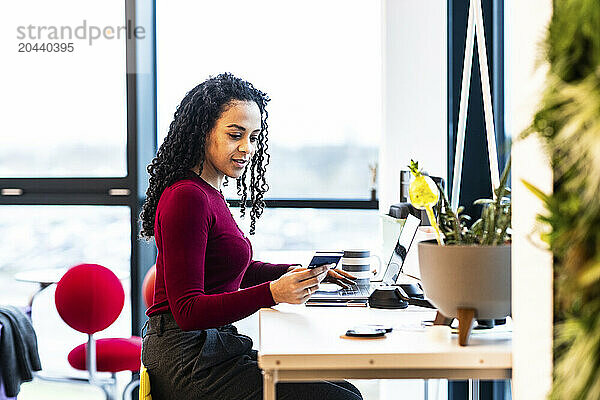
{"points": [[407, 234]]}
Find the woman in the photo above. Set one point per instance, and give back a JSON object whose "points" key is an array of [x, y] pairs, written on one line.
{"points": [[190, 348]]}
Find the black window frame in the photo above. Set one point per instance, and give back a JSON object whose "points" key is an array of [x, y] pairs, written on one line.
{"points": [[98, 191], [141, 148], [476, 181], [142, 121], [314, 203], [142, 132]]}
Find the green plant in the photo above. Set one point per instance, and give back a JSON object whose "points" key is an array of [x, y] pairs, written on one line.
{"points": [[491, 229], [568, 120]]}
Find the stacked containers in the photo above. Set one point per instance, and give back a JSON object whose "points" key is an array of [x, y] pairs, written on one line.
{"points": [[358, 263]]}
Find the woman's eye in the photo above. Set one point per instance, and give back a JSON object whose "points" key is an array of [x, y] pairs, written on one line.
{"points": [[235, 135], [253, 138]]}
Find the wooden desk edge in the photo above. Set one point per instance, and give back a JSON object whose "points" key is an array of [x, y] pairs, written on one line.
{"points": [[357, 373], [427, 361]]}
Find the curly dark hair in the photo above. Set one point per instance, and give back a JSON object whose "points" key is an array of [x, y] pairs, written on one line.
{"points": [[185, 144]]}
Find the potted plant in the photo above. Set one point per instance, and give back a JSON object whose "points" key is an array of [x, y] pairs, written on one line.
{"points": [[568, 121], [466, 272]]}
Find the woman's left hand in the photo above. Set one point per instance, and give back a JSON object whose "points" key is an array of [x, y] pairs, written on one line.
{"points": [[341, 278]]}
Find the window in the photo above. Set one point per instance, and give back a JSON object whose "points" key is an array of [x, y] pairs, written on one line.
{"points": [[36, 237], [320, 63], [310, 229], [63, 113], [48, 237], [68, 176]]}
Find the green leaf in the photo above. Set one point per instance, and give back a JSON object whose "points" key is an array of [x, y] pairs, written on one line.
{"points": [[590, 274], [537, 192], [414, 168]]}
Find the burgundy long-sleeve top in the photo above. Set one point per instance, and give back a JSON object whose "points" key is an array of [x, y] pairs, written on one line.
{"points": [[204, 259]]}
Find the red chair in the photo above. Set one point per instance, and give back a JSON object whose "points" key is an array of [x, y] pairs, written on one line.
{"points": [[148, 286], [89, 298]]}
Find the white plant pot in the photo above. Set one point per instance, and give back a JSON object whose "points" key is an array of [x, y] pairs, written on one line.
{"points": [[467, 277]]}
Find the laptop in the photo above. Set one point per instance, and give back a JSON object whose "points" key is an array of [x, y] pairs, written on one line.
{"points": [[361, 292]]}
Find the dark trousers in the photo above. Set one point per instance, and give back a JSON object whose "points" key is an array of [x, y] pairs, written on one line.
{"points": [[217, 364]]}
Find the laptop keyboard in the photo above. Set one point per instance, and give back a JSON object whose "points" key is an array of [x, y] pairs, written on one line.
{"points": [[355, 290]]}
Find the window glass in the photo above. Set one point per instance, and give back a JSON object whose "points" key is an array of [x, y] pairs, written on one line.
{"points": [[38, 238], [51, 237], [62, 112], [322, 70], [312, 229]]}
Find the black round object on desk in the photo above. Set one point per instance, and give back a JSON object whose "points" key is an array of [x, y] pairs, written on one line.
{"points": [[387, 298]]}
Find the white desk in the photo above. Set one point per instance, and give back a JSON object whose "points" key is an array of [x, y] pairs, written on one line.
{"points": [[299, 343]]}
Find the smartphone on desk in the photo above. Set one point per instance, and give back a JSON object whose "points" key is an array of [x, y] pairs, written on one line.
{"points": [[320, 259]]}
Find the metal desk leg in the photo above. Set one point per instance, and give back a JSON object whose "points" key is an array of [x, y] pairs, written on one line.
{"points": [[269, 381], [43, 285], [426, 389]]}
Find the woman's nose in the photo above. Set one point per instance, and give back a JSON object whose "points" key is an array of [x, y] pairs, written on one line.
{"points": [[246, 146]]}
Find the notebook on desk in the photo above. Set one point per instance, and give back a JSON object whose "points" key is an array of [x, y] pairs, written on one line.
{"points": [[360, 293]]}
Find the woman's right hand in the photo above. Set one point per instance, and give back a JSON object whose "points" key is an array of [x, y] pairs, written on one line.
{"points": [[296, 286]]}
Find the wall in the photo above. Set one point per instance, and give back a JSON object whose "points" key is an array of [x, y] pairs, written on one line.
{"points": [[414, 90], [414, 118], [531, 265]]}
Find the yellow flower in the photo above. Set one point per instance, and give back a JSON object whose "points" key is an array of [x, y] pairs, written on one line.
{"points": [[424, 194]]}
